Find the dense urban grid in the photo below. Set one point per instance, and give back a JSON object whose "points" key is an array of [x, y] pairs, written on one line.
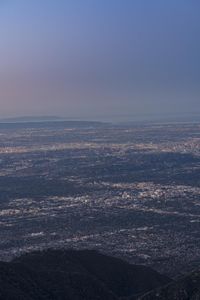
{"points": [[129, 190]]}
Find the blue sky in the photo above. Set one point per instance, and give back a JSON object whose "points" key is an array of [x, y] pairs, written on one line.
{"points": [[99, 58]]}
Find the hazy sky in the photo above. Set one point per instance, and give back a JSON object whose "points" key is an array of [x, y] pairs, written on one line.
{"points": [[99, 58]]}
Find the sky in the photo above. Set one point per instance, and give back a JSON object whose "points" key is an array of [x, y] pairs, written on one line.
{"points": [[99, 59]]}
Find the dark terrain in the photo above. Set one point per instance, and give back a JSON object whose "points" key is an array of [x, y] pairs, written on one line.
{"points": [[185, 288], [89, 275], [74, 275]]}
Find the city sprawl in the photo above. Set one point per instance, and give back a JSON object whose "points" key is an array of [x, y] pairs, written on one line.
{"points": [[129, 190]]}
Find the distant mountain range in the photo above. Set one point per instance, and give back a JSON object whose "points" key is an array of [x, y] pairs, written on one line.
{"points": [[32, 119], [130, 118], [75, 275], [41, 122]]}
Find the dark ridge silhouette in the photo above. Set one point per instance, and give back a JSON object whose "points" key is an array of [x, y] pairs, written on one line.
{"points": [[75, 275], [185, 288]]}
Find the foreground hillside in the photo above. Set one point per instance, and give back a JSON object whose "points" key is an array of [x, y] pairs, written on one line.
{"points": [[186, 288], [89, 275], [74, 275]]}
